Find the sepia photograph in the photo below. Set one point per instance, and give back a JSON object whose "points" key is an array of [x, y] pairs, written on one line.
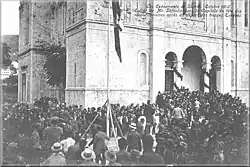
{"points": [[124, 82]]}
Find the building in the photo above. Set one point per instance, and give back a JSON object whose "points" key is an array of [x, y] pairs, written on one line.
{"points": [[39, 22], [161, 49]]}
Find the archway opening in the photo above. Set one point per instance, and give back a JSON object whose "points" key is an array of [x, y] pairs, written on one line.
{"points": [[194, 61], [214, 81], [170, 62]]}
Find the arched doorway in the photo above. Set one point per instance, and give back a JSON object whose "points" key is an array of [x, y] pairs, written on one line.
{"points": [[194, 61], [170, 61], [214, 81]]}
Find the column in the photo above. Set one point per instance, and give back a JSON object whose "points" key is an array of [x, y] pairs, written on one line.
{"points": [[207, 66], [218, 77], [178, 80]]}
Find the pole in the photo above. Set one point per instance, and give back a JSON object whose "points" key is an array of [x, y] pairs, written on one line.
{"points": [[108, 104]]}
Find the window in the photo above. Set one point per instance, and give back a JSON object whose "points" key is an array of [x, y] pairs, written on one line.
{"points": [[75, 74], [233, 18], [143, 69], [194, 8], [142, 4], [246, 13], [199, 8], [232, 73], [184, 6]]}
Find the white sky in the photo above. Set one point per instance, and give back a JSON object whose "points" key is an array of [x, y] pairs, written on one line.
{"points": [[9, 17]]}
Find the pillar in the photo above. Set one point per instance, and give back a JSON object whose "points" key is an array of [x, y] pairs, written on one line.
{"points": [[207, 66], [218, 77]]}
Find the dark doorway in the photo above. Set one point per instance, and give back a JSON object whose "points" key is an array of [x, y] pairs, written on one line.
{"points": [[194, 61], [170, 62], [214, 81]]}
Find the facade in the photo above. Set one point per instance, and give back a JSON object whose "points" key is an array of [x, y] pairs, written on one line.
{"points": [[39, 22], [159, 51]]}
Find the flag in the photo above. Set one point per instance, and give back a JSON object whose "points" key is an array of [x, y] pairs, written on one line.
{"points": [[117, 27]]}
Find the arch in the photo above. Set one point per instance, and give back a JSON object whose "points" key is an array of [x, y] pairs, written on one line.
{"points": [[215, 73], [143, 67], [195, 50], [170, 62], [215, 60], [171, 56], [194, 61]]}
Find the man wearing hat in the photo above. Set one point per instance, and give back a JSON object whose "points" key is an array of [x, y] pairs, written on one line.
{"points": [[57, 158], [111, 157], [88, 157], [99, 145], [53, 133], [134, 139], [149, 156], [74, 152], [123, 156], [12, 158], [135, 157]]}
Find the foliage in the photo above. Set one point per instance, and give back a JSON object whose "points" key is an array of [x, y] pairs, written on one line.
{"points": [[55, 63], [6, 55], [11, 81]]}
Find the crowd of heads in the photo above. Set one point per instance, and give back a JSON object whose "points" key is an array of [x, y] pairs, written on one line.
{"points": [[214, 132]]}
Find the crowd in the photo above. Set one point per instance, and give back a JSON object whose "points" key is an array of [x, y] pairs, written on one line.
{"points": [[189, 128]]}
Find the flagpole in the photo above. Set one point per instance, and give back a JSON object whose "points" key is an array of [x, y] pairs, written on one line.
{"points": [[108, 104]]}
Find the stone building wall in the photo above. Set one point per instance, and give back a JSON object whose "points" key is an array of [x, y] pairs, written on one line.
{"points": [[39, 22], [145, 41], [157, 36]]}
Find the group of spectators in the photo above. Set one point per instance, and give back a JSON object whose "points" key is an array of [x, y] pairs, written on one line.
{"points": [[188, 127]]}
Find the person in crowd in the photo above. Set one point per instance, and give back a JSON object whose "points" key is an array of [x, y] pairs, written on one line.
{"points": [[169, 155], [36, 137], [57, 158], [99, 145], [111, 157], [178, 112], [149, 157], [12, 157], [66, 143], [88, 158], [53, 133], [135, 157], [73, 154], [123, 156], [124, 121], [134, 139], [149, 114], [143, 121]]}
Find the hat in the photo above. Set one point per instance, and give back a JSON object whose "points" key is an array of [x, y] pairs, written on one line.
{"points": [[12, 146], [141, 117], [110, 156], [135, 153], [88, 154], [183, 144], [132, 125], [55, 118], [56, 147]]}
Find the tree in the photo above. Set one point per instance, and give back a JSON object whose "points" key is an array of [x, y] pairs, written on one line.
{"points": [[6, 55], [55, 63]]}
